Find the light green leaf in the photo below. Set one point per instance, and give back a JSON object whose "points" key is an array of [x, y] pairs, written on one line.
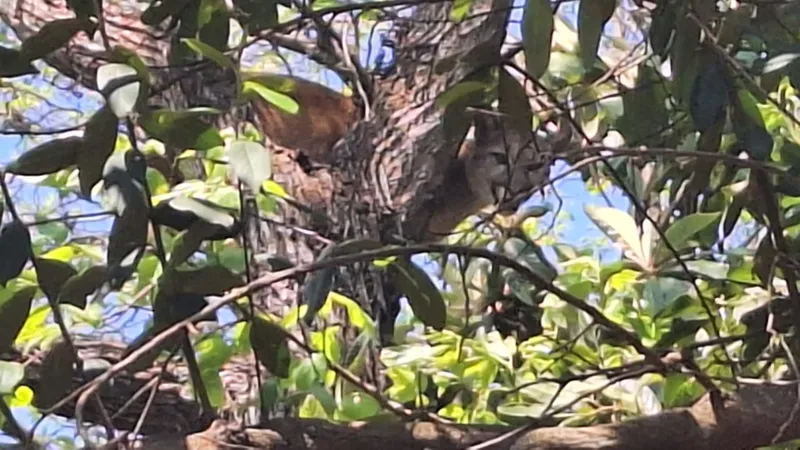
{"points": [[115, 81], [11, 373], [620, 227], [680, 232], [250, 162], [276, 98]]}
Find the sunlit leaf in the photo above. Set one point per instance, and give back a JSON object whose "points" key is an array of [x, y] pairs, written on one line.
{"points": [[460, 9], [281, 100], [11, 374], [250, 162], [121, 85], [619, 227]]}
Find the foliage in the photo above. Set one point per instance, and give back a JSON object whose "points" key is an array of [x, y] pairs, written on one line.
{"points": [[500, 335]]}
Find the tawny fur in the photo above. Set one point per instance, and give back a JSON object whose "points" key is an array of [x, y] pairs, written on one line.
{"points": [[471, 183], [323, 118]]}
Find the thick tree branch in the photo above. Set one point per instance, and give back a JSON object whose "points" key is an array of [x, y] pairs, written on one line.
{"points": [[751, 419]]}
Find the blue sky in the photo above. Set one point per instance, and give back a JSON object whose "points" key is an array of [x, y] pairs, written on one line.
{"points": [[572, 191]]}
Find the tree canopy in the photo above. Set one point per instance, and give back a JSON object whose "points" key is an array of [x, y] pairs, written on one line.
{"points": [[169, 273]]}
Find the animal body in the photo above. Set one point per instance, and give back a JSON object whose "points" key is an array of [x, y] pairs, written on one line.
{"points": [[493, 168]]}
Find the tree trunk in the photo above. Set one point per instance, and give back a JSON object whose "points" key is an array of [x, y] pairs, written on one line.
{"points": [[758, 415]]}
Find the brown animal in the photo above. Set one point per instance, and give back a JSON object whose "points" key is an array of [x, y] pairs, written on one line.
{"points": [[480, 176], [477, 178], [323, 118], [498, 167]]}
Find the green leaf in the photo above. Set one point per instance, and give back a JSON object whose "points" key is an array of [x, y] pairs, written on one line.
{"points": [[160, 10], [660, 293], [315, 291], [709, 97], [182, 129], [99, 141], [355, 314], [209, 280], [683, 229], [513, 102], [644, 108], [209, 52], [14, 64], [54, 35], [15, 248], [662, 29], [170, 308], [122, 93], [11, 374], [85, 8], [282, 101], [424, 297], [78, 287], [56, 375], [537, 36], [619, 227], [251, 163], [52, 274], [189, 241], [181, 213], [47, 158], [213, 352], [212, 382], [270, 345], [460, 9], [683, 55], [359, 406], [216, 30], [127, 241], [319, 283], [459, 91], [13, 313], [592, 17]]}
